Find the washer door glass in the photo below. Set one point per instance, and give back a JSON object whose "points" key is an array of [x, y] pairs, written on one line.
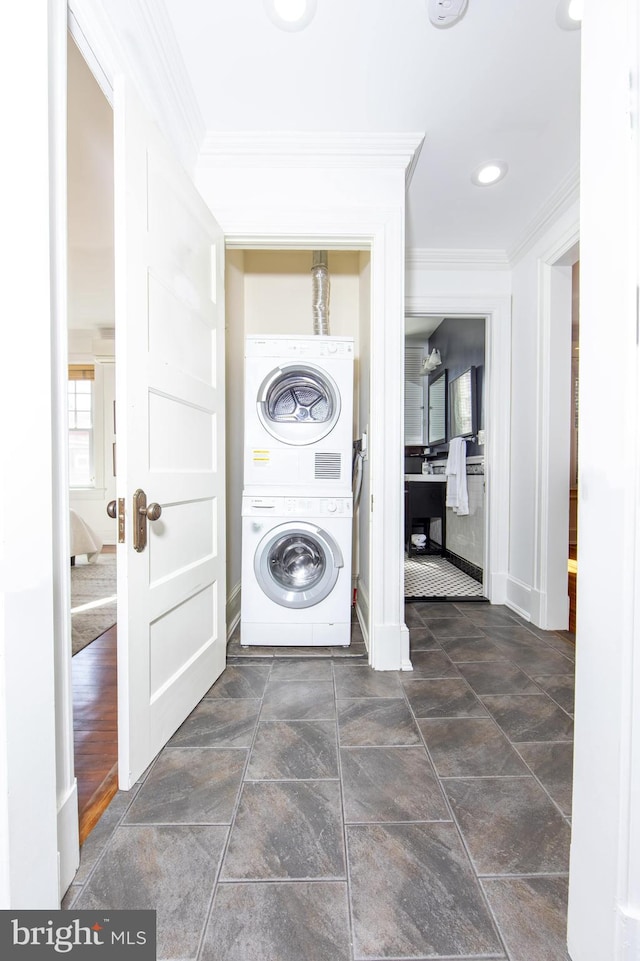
{"points": [[298, 403], [297, 565]]}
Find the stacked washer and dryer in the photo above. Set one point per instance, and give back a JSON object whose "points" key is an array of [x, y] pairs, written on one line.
{"points": [[297, 502]]}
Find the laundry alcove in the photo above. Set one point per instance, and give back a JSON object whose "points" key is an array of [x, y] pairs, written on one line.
{"points": [[278, 197]]}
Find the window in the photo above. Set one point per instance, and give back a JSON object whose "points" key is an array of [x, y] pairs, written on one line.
{"points": [[80, 407]]}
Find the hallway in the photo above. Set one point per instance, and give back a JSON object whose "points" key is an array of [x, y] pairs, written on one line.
{"points": [[312, 808]]}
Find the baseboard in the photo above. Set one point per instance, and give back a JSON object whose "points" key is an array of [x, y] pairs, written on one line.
{"points": [[471, 570], [68, 832], [518, 597], [233, 609]]}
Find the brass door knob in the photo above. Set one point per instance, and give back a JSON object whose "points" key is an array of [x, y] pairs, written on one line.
{"points": [[152, 512]]}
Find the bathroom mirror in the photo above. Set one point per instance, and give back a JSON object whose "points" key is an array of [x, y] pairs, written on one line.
{"points": [[437, 413], [462, 404]]}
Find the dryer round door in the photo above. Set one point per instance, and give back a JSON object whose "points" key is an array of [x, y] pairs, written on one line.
{"points": [[297, 564], [298, 404]]}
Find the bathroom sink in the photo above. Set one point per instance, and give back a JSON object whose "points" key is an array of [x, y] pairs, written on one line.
{"points": [[429, 478]]}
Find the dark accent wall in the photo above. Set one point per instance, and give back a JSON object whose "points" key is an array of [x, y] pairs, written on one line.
{"points": [[460, 341]]}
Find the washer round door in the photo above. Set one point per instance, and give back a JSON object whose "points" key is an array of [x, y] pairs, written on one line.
{"points": [[297, 564], [298, 404]]}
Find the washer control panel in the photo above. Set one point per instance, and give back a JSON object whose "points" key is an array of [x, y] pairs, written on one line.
{"points": [[285, 506]]}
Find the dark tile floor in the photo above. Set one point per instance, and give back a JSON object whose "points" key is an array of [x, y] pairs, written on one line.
{"points": [[311, 808]]}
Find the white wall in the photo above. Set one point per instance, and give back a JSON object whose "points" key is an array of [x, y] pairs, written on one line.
{"points": [[604, 883], [28, 502]]}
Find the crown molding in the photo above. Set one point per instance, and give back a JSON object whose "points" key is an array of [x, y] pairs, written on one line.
{"points": [[566, 193], [268, 148], [140, 43], [453, 259]]}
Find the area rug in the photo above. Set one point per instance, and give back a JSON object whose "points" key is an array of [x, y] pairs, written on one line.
{"points": [[93, 599]]}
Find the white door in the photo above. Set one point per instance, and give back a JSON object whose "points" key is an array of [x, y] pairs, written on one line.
{"points": [[169, 436]]}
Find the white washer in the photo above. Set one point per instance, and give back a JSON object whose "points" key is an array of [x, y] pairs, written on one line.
{"points": [[296, 570], [298, 413]]}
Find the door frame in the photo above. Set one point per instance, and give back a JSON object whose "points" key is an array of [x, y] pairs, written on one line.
{"points": [[497, 314], [549, 594]]}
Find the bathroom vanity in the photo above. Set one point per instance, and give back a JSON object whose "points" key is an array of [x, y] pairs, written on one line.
{"points": [[424, 501]]}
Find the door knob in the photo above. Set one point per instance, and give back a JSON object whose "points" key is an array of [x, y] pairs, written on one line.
{"points": [[112, 509], [152, 512]]}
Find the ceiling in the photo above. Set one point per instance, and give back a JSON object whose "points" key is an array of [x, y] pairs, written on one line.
{"points": [[503, 83]]}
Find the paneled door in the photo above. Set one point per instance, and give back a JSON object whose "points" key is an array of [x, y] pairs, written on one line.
{"points": [[169, 439]]}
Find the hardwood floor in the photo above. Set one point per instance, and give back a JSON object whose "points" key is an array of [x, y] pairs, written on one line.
{"points": [[573, 584], [95, 727]]}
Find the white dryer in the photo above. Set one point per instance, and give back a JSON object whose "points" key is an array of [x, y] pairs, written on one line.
{"points": [[298, 413], [296, 570]]}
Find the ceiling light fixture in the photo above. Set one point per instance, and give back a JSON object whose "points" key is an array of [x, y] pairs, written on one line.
{"points": [[489, 173], [569, 14], [444, 13], [291, 14]]}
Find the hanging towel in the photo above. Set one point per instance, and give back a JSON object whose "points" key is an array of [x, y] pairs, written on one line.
{"points": [[456, 471]]}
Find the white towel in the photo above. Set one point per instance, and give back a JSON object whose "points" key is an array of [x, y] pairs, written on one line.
{"points": [[456, 471]]}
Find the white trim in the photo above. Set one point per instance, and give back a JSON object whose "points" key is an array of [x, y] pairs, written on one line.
{"points": [[272, 148], [456, 259], [155, 65], [497, 311], [565, 194], [66, 788], [549, 596], [518, 597]]}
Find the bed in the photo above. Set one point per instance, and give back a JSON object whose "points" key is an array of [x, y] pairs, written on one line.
{"points": [[84, 540]]}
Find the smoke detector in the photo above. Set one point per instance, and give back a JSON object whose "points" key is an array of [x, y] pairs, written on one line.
{"points": [[444, 13]]}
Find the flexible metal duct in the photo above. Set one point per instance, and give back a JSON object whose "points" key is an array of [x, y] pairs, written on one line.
{"points": [[320, 292]]}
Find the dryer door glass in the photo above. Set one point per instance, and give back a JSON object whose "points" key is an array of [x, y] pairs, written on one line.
{"points": [[297, 565], [298, 404]]}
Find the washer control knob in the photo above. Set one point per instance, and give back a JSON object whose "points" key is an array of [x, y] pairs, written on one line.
{"points": [[332, 506], [332, 348]]}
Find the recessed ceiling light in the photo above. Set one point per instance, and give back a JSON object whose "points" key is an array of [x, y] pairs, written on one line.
{"points": [[489, 173], [291, 14], [569, 14]]}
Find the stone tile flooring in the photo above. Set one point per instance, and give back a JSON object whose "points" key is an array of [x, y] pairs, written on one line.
{"points": [[311, 809]]}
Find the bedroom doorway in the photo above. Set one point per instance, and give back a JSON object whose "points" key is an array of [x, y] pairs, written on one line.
{"points": [[92, 438]]}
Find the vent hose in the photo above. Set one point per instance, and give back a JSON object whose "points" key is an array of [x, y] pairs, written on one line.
{"points": [[320, 292]]}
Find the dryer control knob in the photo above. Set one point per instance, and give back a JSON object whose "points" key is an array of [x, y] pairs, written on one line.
{"points": [[332, 348], [332, 507]]}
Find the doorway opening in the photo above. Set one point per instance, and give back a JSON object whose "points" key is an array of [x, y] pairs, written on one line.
{"points": [[445, 516], [573, 462], [92, 438]]}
